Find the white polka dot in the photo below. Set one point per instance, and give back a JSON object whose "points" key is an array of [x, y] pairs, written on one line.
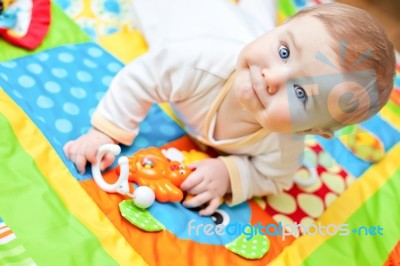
{"points": [[106, 80], [141, 142], [65, 57], [63, 125], [78, 92], [311, 157], [89, 63], [41, 119], [160, 143], [26, 81], [145, 127], [43, 57], [44, 102], [52, 87], [17, 94], [56, 141], [311, 204], [95, 52], [91, 111], [59, 72], [10, 64], [99, 95], [71, 108], [167, 130], [34, 68], [84, 76], [4, 76], [113, 67], [84, 130], [325, 160]]}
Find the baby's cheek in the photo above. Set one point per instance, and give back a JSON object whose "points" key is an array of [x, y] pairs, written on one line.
{"points": [[279, 118], [243, 89]]}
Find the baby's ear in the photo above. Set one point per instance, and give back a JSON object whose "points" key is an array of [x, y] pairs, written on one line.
{"points": [[325, 133]]}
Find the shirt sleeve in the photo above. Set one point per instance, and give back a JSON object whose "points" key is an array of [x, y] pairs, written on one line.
{"points": [[264, 174], [163, 75]]}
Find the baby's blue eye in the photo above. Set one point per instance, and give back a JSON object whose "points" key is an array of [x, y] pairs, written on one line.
{"points": [[284, 52], [300, 92]]}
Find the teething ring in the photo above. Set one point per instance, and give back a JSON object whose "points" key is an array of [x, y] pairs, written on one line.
{"points": [[309, 181], [121, 185], [143, 196]]}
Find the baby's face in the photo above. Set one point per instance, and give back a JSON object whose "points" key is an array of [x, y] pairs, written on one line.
{"points": [[287, 77]]}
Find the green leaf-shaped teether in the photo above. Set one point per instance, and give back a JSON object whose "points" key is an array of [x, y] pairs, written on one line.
{"points": [[142, 218], [253, 247]]}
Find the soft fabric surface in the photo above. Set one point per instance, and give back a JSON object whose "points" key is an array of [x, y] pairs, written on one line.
{"points": [[52, 215]]}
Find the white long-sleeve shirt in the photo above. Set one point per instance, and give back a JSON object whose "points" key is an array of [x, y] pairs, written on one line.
{"points": [[194, 76]]}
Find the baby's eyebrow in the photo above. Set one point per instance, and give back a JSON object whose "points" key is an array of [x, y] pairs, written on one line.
{"points": [[294, 41], [313, 91]]}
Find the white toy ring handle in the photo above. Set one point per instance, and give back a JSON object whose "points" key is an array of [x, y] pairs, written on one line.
{"points": [[121, 186], [307, 182]]}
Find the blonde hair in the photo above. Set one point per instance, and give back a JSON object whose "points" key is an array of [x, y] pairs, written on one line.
{"points": [[360, 44]]}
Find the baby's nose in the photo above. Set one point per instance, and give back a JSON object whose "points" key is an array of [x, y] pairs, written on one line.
{"points": [[264, 73], [274, 79]]}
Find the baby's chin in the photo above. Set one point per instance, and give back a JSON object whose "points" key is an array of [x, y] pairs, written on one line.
{"points": [[245, 95], [274, 126]]}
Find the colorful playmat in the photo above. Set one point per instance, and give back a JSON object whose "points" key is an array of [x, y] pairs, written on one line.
{"points": [[52, 215]]}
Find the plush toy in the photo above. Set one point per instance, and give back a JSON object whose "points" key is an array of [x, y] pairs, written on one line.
{"points": [[24, 23]]}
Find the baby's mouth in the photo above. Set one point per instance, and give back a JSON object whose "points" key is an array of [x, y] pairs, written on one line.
{"points": [[259, 97], [256, 79]]}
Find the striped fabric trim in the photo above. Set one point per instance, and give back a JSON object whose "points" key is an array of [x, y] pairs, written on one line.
{"points": [[12, 253]]}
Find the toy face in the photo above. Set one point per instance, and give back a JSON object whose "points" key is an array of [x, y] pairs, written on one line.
{"points": [[150, 167], [152, 164]]}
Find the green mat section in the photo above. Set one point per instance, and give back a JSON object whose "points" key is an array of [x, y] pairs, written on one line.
{"points": [[363, 247], [50, 234]]}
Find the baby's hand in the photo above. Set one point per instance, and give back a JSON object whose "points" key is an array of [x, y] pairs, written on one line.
{"points": [[84, 149], [209, 182]]}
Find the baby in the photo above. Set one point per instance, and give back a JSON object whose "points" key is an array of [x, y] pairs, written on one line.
{"points": [[326, 67]]}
